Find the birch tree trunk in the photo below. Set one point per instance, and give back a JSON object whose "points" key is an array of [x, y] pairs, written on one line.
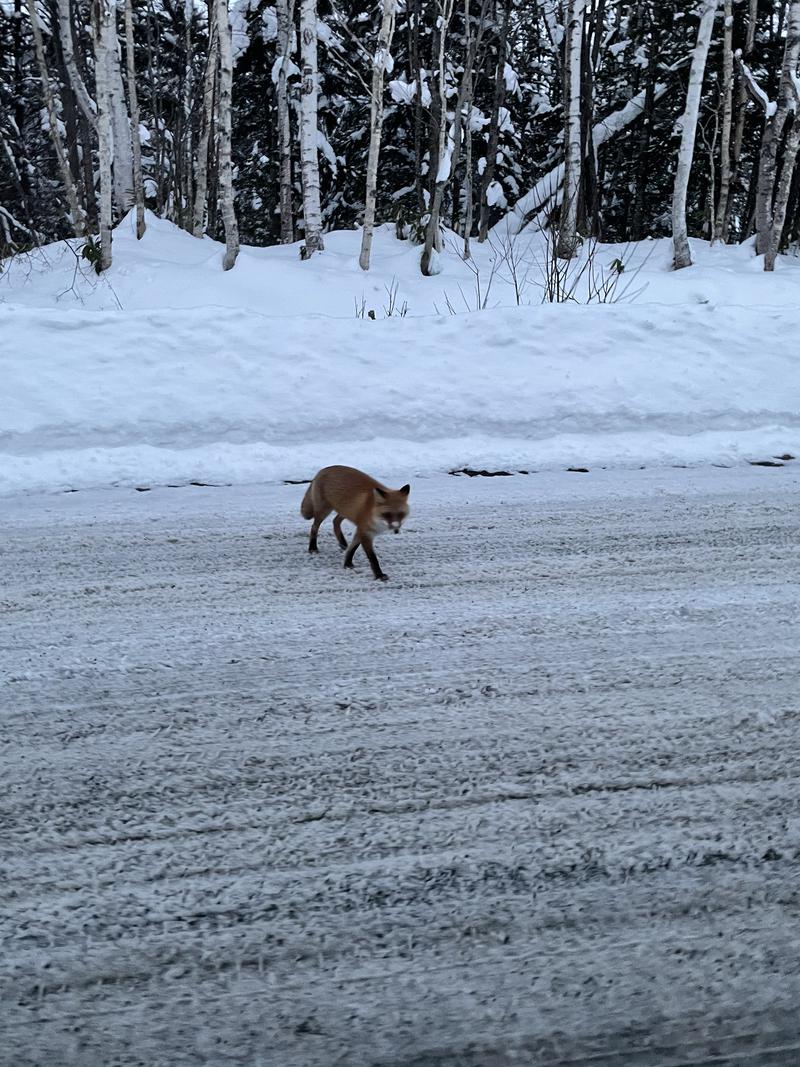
{"points": [[102, 13], [468, 205], [741, 102], [469, 93], [186, 207], [782, 194], [75, 79], [206, 119], [224, 105], [138, 184], [379, 66], [285, 12], [494, 126], [727, 118], [449, 145], [416, 66], [682, 256], [774, 128], [78, 218], [433, 236], [312, 212], [120, 122], [567, 244]]}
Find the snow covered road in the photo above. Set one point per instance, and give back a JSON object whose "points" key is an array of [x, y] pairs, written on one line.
{"points": [[536, 800]]}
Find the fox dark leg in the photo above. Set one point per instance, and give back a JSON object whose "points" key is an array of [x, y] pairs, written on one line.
{"points": [[373, 559], [337, 529], [319, 518], [348, 559]]}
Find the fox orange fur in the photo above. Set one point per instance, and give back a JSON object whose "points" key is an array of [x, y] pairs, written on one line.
{"points": [[355, 496]]}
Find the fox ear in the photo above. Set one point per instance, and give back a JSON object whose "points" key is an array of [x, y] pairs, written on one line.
{"points": [[380, 493], [406, 490]]}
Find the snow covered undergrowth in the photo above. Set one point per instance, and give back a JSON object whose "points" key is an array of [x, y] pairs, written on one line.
{"points": [[168, 369]]}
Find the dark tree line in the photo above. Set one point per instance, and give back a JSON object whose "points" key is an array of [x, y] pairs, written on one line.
{"points": [[594, 117]]}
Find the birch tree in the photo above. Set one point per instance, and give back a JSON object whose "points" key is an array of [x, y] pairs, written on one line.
{"points": [[186, 140], [782, 195], [682, 256], [138, 184], [76, 80], [741, 102], [449, 143], [76, 211], [382, 61], [285, 14], [567, 244], [777, 117], [120, 122], [102, 13], [224, 103], [494, 125], [727, 121], [309, 92], [469, 95], [206, 123]]}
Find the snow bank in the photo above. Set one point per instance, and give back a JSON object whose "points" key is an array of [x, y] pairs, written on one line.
{"points": [[197, 374]]}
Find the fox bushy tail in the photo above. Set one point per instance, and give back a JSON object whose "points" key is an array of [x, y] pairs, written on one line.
{"points": [[307, 507]]}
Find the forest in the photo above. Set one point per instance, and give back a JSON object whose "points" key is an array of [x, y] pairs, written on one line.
{"points": [[274, 121]]}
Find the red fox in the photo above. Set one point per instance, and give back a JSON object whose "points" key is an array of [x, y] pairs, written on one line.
{"points": [[355, 496]]}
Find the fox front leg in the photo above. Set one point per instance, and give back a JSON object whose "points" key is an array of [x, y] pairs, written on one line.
{"points": [[373, 559]]}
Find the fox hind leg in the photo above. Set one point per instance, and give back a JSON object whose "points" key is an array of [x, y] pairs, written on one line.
{"points": [[337, 529], [319, 518]]}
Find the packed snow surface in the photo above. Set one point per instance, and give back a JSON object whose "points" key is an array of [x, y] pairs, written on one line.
{"points": [[167, 369], [534, 801]]}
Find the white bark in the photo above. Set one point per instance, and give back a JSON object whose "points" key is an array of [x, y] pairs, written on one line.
{"points": [[567, 244], [78, 218], [138, 183], [773, 131], [285, 13], [727, 122], [782, 195], [494, 127], [468, 206], [741, 102], [75, 79], [225, 166], [102, 13], [206, 120], [433, 237], [312, 212], [682, 256], [187, 168], [468, 97], [120, 122], [376, 127]]}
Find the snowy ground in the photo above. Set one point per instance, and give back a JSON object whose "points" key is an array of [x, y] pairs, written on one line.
{"points": [[169, 370], [536, 800]]}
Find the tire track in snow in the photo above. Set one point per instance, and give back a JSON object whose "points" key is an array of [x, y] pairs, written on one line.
{"points": [[536, 801]]}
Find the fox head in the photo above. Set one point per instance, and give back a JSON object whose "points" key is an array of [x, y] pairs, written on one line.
{"points": [[391, 508]]}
